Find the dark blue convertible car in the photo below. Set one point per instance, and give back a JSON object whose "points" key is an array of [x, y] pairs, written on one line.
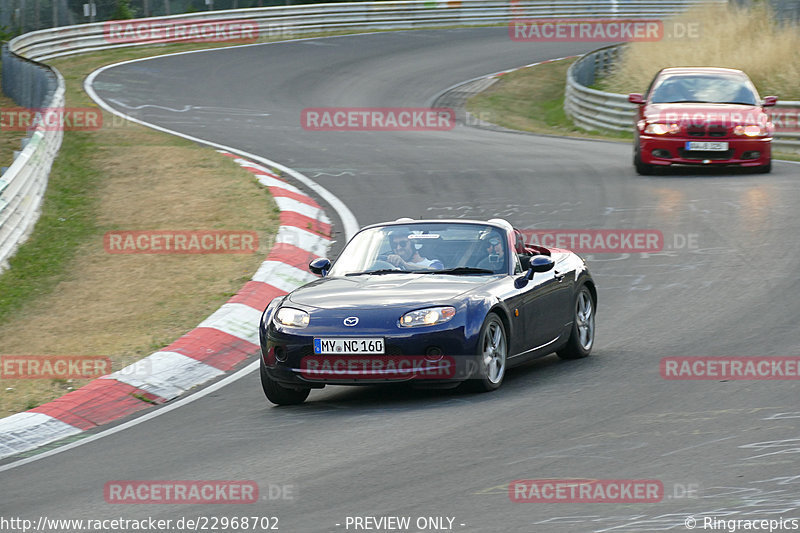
{"points": [[433, 302]]}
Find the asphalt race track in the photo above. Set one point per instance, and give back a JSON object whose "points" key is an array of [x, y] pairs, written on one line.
{"points": [[726, 284]]}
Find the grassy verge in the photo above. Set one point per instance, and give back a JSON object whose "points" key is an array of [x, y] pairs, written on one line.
{"points": [[64, 295], [532, 99]]}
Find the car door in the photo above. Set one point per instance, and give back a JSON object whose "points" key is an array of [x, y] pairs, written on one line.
{"points": [[546, 307]]}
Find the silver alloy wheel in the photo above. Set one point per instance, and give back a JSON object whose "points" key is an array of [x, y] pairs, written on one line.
{"points": [[493, 348], [584, 316]]}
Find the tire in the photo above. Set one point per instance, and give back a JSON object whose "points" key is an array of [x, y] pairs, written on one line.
{"points": [[278, 394], [493, 353], [643, 169], [764, 169], [581, 338]]}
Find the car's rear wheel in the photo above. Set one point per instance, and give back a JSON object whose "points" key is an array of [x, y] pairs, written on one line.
{"points": [[581, 339], [641, 168], [492, 354], [278, 394]]}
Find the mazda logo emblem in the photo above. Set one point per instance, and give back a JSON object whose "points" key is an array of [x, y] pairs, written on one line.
{"points": [[351, 321]]}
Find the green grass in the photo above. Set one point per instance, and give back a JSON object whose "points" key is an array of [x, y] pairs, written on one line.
{"points": [[67, 220], [532, 99]]}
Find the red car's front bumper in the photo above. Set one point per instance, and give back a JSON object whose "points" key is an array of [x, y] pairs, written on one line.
{"points": [[665, 151]]}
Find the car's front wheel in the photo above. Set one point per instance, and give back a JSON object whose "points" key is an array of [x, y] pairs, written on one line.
{"points": [[492, 353], [278, 394], [764, 169], [581, 339], [642, 168]]}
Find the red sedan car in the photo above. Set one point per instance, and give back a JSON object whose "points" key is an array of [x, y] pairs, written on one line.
{"points": [[702, 116]]}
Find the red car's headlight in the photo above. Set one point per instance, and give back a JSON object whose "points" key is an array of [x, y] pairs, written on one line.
{"points": [[750, 130], [657, 128]]}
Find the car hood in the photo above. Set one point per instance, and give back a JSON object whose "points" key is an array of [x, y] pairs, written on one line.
{"points": [[385, 290], [723, 113]]}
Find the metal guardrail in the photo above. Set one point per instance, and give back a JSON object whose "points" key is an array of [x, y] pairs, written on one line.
{"points": [[22, 185], [591, 109], [298, 20]]}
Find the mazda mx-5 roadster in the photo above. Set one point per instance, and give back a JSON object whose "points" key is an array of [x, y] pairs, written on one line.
{"points": [[437, 303]]}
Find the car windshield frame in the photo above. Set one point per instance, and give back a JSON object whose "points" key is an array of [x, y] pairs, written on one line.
{"points": [[448, 246]]}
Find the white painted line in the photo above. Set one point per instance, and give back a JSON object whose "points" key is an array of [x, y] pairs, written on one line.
{"points": [[144, 418], [283, 276], [58, 429], [166, 374], [349, 222]]}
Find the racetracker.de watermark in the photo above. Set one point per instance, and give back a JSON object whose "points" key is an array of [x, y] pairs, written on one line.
{"points": [[51, 118], [372, 367], [378, 119], [192, 31], [730, 368], [180, 242], [600, 30], [586, 491], [54, 366], [597, 240], [181, 492]]}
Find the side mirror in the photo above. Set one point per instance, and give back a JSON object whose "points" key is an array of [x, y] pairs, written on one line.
{"points": [[635, 98], [320, 266], [770, 101], [538, 263]]}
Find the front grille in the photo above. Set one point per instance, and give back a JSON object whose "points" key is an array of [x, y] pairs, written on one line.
{"points": [[700, 155], [711, 130]]}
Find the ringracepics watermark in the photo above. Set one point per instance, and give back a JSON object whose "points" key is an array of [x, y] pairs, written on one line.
{"points": [[193, 31], [51, 118], [730, 368], [180, 242], [586, 491], [378, 119]]}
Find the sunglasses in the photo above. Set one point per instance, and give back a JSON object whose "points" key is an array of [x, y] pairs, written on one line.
{"points": [[493, 242], [400, 244]]}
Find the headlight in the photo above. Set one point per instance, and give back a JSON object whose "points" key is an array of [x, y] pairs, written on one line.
{"points": [[751, 130], [661, 129], [288, 316], [427, 317]]}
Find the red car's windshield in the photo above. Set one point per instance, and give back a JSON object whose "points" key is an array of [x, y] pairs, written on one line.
{"points": [[704, 89]]}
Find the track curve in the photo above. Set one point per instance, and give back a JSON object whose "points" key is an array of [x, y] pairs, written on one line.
{"points": [[391, 451]]}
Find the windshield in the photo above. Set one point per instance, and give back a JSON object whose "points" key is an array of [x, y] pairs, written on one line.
{"points": [[717, 89], [425, 247]]}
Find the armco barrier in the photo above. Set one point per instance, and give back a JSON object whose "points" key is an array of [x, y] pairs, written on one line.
{"points": [[22, 185], [591, 109]]}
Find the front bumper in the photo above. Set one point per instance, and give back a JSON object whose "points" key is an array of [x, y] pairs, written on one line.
{"points": [[434, 356], [665, 151]]}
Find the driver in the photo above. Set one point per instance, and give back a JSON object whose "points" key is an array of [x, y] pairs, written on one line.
{"points": [[405, 254]]}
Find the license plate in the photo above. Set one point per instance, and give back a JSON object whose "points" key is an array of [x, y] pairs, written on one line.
{"points": [[350, 345], [706, 146]]}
